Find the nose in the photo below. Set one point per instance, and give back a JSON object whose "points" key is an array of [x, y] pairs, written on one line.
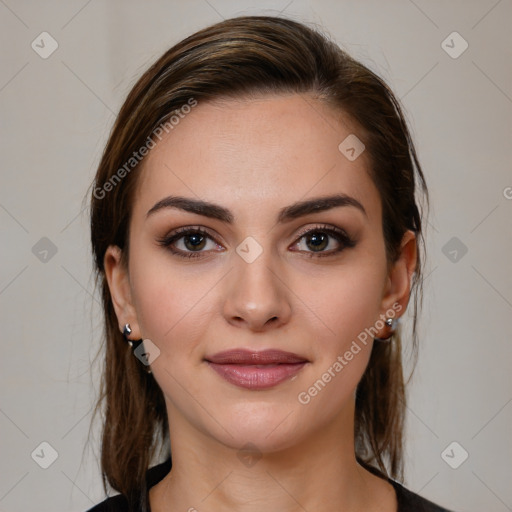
{"points": [[257, 296]]}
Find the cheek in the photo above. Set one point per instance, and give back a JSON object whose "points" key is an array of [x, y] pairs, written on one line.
{"points": [[346, 306], [171, 300], [347, 303]]}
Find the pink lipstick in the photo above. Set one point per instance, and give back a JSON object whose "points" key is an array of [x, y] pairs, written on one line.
{"points": [[256, 370]]}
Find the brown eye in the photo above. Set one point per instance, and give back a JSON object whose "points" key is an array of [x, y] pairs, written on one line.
{"points": [[193, 241], [317, 240]]}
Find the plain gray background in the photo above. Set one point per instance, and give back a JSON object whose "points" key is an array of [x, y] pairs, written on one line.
{"points": [[56, 113]]}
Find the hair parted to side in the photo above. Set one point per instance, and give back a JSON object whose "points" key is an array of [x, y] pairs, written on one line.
{"points": [[236, 58]]}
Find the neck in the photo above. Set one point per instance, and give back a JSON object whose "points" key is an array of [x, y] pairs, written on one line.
{"points": [[319, 473]]}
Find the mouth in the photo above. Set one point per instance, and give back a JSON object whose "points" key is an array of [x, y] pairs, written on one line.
{"points": [[256, 370]]}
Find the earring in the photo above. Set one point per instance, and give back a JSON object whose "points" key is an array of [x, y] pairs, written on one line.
{"points": [[390, 323], [126, 332], [134, 344]]}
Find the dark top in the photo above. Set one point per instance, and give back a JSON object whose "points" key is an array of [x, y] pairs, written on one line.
{"points": [[407, 500]]}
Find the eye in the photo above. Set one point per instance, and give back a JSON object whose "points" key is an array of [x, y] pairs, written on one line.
{"points": [[192, 240], [319, 238]]}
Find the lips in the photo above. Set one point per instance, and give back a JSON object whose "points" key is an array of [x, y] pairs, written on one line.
{"points": [[247, 357], [256, 370]]}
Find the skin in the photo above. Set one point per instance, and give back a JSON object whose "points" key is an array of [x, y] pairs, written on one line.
{"points": [[254, 157]]}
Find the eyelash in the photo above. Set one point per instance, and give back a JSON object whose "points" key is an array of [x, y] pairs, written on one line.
{"points": [[338, 234]]}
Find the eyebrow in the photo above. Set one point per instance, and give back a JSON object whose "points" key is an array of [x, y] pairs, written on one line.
{"points": [[286, 214]]}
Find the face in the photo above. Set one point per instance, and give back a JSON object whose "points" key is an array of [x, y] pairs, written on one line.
{"points": [[259, 271]]}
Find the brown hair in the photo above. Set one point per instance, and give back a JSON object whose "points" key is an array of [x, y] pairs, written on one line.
{"points": [[236, 58]]}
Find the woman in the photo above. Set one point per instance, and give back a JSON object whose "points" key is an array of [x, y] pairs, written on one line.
{"points": [[257, 238]]}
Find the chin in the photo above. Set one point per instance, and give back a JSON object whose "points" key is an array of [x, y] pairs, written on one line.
{"points": [[250, 440], [268, 427]]}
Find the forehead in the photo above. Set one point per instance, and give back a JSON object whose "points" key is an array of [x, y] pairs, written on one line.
{"points": [[257, 153]]}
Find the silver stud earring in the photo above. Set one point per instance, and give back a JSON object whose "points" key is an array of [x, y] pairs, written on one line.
{"points": [[126, 332], [134, 344], [390, 323]]}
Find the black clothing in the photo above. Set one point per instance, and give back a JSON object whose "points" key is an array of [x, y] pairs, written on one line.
{"points": [[407, 500]]}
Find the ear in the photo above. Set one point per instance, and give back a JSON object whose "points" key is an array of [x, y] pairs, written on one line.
{"points": [[118, 280], [398, 285]]}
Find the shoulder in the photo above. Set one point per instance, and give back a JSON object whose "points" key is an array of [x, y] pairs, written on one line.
{"points": [[407, 501], [411, 502], [119, 503]]}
